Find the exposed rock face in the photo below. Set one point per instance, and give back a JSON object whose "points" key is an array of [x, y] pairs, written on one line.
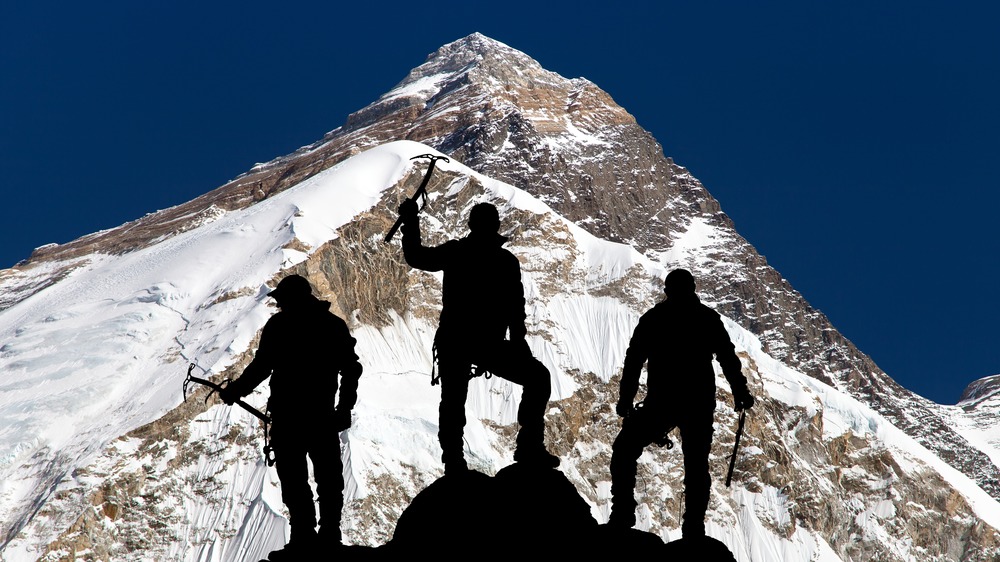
{"points": [[564, 140]]}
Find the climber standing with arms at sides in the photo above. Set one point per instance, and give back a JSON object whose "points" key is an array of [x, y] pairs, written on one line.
{"points": [[304, 349], [677, 340]]}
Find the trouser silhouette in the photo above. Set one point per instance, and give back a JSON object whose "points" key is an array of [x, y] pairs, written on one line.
{"points": [[505, 359], [637, 433], [290, 452]]}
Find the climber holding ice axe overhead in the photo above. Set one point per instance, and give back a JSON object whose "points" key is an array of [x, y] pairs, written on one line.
{"points": [[481, 330]]}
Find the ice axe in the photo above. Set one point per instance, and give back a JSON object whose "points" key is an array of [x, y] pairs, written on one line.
{"points": [[216, 387], [421, 192], [736, 446]]}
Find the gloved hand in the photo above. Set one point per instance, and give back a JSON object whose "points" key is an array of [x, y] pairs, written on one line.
{"points": [[408, 210], [624, 408], [742, 399], [341, 420], [228, 397]]}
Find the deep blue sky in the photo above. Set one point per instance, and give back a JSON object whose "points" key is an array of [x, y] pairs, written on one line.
{"points": [[855, 144]]}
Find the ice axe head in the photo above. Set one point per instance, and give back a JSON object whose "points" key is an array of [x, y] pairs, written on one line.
{"points": [[187, 381], [422, 190], [433, 157]]}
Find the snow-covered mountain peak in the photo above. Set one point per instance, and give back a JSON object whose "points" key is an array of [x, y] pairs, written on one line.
{"points": [[186, 480], [986, 388], [479, 82], [840, 463], [477, 58]]}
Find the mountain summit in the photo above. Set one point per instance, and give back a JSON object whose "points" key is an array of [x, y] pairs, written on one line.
{"points": [[100, 455]]}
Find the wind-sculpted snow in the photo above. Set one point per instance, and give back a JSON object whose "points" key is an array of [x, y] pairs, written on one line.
{"points": [[102, 460]]}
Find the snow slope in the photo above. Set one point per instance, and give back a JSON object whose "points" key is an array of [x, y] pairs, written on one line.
{"points": [[105, 351]]}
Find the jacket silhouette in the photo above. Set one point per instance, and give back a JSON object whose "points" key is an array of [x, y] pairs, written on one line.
{"points": [[482, 302], [303, 348], [677, 340]]}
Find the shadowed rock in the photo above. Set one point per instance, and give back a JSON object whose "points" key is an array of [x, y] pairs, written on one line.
{"points": [[702, 549], [522, 512]]}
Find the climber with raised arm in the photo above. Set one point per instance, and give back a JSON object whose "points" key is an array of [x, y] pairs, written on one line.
{"points": [[481, 330]]}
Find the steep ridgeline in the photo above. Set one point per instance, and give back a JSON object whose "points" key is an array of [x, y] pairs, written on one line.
{"points": [[566, 142]]}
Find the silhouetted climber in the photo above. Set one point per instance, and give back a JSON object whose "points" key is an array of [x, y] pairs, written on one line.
{"points": [[482, 298], [679, 338], [303, 348]]}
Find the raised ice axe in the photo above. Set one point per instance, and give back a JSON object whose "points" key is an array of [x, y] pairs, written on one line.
{"points": [[421, 192]]}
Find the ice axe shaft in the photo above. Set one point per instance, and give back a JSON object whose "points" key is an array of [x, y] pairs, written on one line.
{"points": [[736, 447], [421, 191]]}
